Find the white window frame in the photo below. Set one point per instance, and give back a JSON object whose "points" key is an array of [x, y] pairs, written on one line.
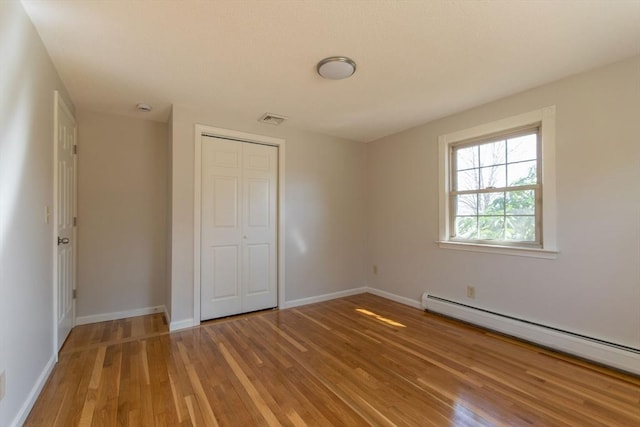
{"points": [[545, 117]]}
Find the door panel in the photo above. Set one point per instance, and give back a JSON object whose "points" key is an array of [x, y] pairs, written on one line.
{"points": [[258, 162], [225, 271], [258, 203], [220, 272], [226, 156], [225, 201], [260, 226], [221, 231], [257, 269], [65, 199], [238, 227]]}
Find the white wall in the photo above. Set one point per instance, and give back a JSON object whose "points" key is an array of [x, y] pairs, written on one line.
{"points": [[122, 203], [325, 208], [27, 83], [593, 287]]}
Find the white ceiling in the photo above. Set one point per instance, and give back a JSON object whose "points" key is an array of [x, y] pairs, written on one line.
{"points": [[417, 60]]}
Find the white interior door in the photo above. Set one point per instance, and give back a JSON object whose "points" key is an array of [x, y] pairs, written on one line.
{"points": [[64, 217], [259, 223], [238, 266]]}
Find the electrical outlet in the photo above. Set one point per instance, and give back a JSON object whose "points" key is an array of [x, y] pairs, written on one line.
{"points": [[471, 292], [375, 269], [3, 382]]}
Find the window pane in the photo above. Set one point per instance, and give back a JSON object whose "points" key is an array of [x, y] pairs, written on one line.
{"points": [[492, 153], [491, 228], [466, 158], [491, 204], [521, 228], [522, 148], [521, 202], [494, 176], [522, 173], [467, 227], [467, 180], [467, 204]]}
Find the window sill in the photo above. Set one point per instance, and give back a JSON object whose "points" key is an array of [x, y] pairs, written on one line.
{"points": [[501, 250]]}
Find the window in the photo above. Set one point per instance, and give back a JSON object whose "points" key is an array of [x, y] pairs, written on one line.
{"points": [[498, 188], [495, 189]]}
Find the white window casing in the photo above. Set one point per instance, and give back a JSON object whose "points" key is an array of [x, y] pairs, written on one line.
{"points": [[545, 119]]}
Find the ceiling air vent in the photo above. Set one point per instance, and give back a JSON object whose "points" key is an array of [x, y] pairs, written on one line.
{"points": [[272, 119]]}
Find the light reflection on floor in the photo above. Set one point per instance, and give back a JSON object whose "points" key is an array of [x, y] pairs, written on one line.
{"points": [[380, 318]]}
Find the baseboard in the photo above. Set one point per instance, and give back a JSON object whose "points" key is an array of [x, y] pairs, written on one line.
{"points": [[23, 413], [591, 349], [105, 317], [188, 323], [325, 297], [167, 316], [181, 324], [393, 297]]}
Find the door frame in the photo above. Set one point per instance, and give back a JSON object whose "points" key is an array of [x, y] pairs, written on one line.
{"points": [[60, 106], [203, 130]]}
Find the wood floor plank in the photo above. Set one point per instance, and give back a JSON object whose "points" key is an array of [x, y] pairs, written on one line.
{"points": [[249, 386], [355, 361], [201, 397]]}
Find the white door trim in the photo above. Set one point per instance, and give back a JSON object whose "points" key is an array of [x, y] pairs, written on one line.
{"points": [[203, 130], [59, 104]]}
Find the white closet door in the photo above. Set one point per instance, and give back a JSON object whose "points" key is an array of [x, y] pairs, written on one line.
{"points": [[260, 182], [238, 232]]}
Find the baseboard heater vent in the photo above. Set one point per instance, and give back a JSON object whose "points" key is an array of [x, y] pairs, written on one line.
{"points": [[601, 351]]}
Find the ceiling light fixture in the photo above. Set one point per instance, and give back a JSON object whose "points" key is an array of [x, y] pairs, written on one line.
{"points": [[336, 67], [143, 107]]}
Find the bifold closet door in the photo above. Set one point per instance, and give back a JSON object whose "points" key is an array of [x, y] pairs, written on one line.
{"points": [[239, 227]]}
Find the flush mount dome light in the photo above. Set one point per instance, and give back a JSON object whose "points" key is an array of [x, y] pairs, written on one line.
{"points": [[336, 67], [145, 108]]}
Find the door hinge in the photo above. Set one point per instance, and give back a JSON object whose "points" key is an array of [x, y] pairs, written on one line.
{"points": [[75, 293], [75, 149], [75, 221]]}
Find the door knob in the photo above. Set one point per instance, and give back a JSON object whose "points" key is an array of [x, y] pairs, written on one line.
{"points": [[63, 240]]}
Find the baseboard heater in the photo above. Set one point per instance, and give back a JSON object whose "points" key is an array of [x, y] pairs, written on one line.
{"points": [[608, 353]]}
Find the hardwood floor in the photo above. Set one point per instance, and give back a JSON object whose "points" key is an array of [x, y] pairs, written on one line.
{"points": [[360, 360]]}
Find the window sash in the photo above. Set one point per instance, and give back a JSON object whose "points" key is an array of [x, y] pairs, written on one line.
{"points": [[537, 187], [536, 243], [498, 136]]}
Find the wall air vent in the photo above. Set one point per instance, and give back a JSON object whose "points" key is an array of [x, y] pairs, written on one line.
{"points": [[272, 119]]}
